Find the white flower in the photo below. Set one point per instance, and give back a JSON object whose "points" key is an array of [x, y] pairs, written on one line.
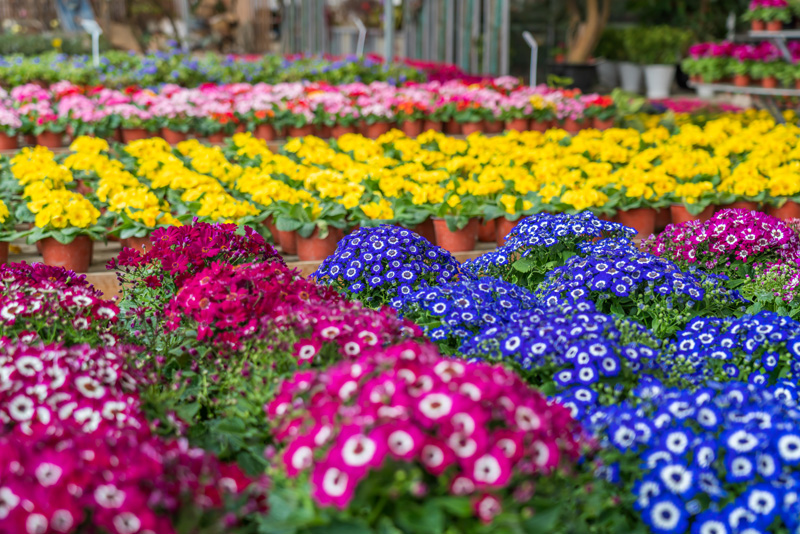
{"points": [[109, 496], [48, 474], [8, 501], [665, 515], [90, 387], [435, 405], [127, 523], [21, 408], [676, 478], [487, 469], [358, 450], [334, 482]]}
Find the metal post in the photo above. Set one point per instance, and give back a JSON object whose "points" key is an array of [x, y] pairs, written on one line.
{"points": [[534, 55], [362, 34], [93, 28], [505, 37], [388, 30]]}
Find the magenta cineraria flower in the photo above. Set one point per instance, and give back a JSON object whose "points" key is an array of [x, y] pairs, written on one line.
{"points": [[75, 445], [476, 424]]}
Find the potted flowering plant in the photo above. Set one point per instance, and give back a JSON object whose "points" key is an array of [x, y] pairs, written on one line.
{"points": [[377, 118], [767, 72], [601, 110], [345, 119], [693, 201], [542, 114], [768, 14], [10, 125], [48, 128], [635, 207], [262, 123], [783, 194], [409, 116], [456, 223], [316, 224], [175, 128], [470, 116], [298, 118], [505, 211], [216, 126], [138, 125]]}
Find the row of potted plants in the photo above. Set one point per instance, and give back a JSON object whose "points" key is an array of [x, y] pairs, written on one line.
{"points": [[770, 15], [294, 110], [743, 64], [312, 192]]}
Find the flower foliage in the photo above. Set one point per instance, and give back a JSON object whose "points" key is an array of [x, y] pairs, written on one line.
{"points": [[77, 450], [49, 304], [716, 460], [621, 280], [379, 265], [476, 427], [541, 242]]}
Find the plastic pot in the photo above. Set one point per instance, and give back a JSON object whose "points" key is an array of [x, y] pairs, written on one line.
{"points": [[681, 215], [770, 82], [643, 220], [265, 132], [663, 218], [377, 129], [425, 229], [493, 127], [339, 130], [314, 248], [520, 125], [216, 138], [288, 242], [3, 252], [301, 131], [452, 127], [8, 142], [134, 134], [428, 124], [503, 227], [741, 80], [141, 244], [742, 205], [789, 210], [630, 75], [540, 126], [659, 80], [758, 25], [607, 74], [571, 126], [172, 137], [468, 128], [74, 256], [487, 231], [774, 26], [462, 240], [600, 124], [412, 128], [49, 139]]}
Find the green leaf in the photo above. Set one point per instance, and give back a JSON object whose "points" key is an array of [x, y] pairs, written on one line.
{"points": [[341, 528], [523, 265], [233, 426], [284, 224], [457, 506]]}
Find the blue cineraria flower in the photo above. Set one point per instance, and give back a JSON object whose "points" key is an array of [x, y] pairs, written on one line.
{"points": [[740, 474], [379, 265], [466, 307], [540, 242], [620, 279], [759, 349]]}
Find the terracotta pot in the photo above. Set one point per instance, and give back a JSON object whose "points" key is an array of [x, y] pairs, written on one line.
{"points": [[520, 125], [696, 78], [269, 222], [468, 128], [240, 129], [313, 248], [49, 139], [134, 134], [142, 244], [412, 128], [600, 124], [377, 129], [741, 80], [774, 26], [216, 138], [789, 210], [428, 124], [571, 126], [797, 84], [770, 82], [493, 127], [301, 131], [8, 142], [425, 229], [758, 25], [487, 231], [742, 205], [75, 256], [30, 139], [643, 220], [172, 137], [504, 227], [452, 127], [462, 240], [663, 218], [338, 130], [288, 242], [3, 252], [540, 126], [681, 215], [265, 132]]}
